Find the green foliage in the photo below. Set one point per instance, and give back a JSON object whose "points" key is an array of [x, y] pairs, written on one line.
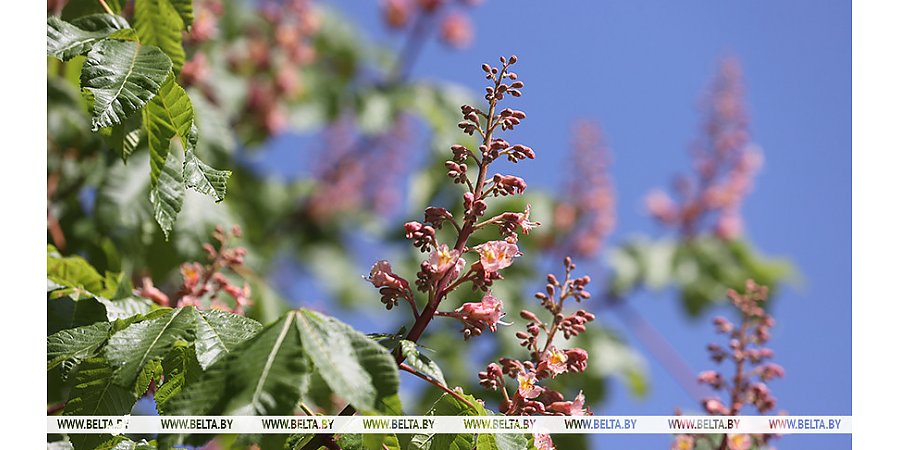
{"points": [[354, 366], [69, 347], [66, 40], [448, 405], [159, 23], [96, 394], [127, 71], [702, 269], [219, 332], [122, 76], [179, 368], [203, 178], [131, 349], [169, 115], [421, 362]]}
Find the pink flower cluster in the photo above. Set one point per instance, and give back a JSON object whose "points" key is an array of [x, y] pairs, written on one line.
{"points": [[586, 214], [345, 180], [270, 57], [547, 361], [207, 286], [725, 163], [455, 27], [753, 368]]}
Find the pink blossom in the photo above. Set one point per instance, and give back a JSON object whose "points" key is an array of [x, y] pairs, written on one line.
{"points": [[443, 258], [456, 30], [554, 362], [483, 314], [383, 276], [543, 441], [710, 377], [729, 226], [190, 272], [683, 442], [771, 370], [147, 290], [396, 13], [496, 255], [528, 387], [739, 442], [661, 206], [714, 406], [573, 408]]}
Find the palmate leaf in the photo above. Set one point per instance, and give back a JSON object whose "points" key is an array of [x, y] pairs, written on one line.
{"points": [[219, 332], [131, 349], [159, 23], [122, 76], [355, 367], [265, 375], [66, 40], [70, 347], [203, 178], [95, 394]]}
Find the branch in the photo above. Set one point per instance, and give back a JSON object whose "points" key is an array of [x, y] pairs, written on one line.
{"points": [[404, 366], [106, 7]]}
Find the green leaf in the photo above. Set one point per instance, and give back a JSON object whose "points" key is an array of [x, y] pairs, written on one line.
{"points": [[67, 312], [76, 273], [502, 441], [167, 116], [70, 347], [126, 136], [124, 308], [122, 76], [151, 372], [355, 367], [449, 405], [167, 194], [180, 368], [220, 332], [185, 9], [266, 375], [123, 443], [203, 178], [139, 344], [380, 442], [297, 441], [95, 394], [67, 40], [421, 362], [158, 23]]}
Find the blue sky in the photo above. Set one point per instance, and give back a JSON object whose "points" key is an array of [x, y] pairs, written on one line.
{"points": [[639, 68]]}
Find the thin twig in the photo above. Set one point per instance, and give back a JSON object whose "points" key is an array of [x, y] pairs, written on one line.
{"points": [[106, 7], [306, 409], [406, 367]]}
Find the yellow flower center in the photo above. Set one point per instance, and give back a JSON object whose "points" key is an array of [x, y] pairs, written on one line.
{"points": [[557, 357], [444, 257]]}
